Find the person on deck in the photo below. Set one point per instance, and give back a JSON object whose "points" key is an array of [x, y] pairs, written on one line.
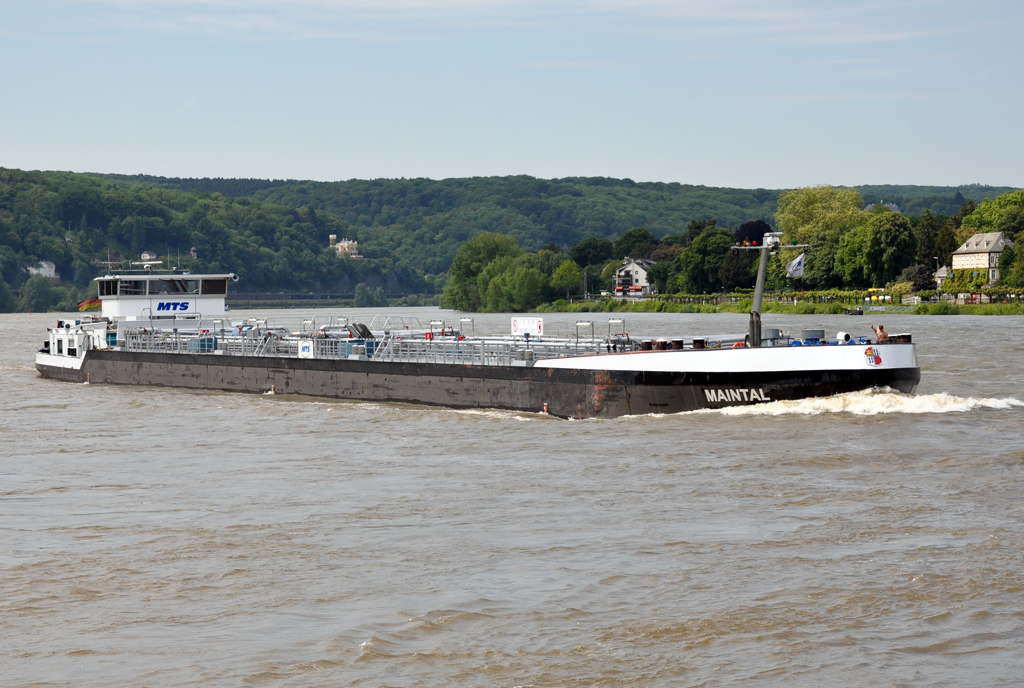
{"points": [[881, 334]]}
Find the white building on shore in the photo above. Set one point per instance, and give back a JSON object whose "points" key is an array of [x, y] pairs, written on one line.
{"points": [[631, 277], [981, 253]]}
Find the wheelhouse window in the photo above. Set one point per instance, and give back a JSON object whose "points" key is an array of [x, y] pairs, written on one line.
{"points": [[60, 347], [215, 286], [131, 287], [171, 287], [107, 288]]}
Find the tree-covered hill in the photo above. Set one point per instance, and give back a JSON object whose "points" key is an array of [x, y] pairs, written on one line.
{"points": [[225, 187], [78, 222], [938, 200], [274, 233], [424, 222]]}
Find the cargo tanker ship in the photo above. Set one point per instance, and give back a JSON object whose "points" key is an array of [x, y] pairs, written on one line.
{"points": [[171, 330]]}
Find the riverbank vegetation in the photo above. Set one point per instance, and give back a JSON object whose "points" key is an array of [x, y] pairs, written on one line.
{"points": [[942, 307], [856, 252]]}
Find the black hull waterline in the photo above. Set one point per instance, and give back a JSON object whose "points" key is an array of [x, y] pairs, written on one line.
{"points": [[568, 393]]}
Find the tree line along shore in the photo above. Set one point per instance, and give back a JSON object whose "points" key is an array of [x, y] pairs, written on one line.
{"points": [[498, 243]]}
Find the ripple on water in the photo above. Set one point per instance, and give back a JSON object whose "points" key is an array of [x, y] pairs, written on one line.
{"points": [[171, 537]]}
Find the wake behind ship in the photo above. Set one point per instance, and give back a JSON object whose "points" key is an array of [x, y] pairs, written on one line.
{"points": [[170, 330]]}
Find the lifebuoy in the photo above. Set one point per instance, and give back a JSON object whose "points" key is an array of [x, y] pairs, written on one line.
{"points": [[739, 345]]}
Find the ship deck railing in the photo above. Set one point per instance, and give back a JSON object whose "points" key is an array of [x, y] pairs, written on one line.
{"points": [[206, 343], [488, 351], [498, 351]]}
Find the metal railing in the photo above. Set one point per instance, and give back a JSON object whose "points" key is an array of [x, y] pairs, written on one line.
{"points": [[483, 350], [496, 351]]}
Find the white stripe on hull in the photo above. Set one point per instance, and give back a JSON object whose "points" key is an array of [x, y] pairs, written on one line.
{"points": [[766, 359]]}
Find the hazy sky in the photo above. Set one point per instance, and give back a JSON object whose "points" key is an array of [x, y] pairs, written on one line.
{"points": [[747, 93]]}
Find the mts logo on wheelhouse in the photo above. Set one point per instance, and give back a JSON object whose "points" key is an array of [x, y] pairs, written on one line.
{"points": [[172, 306]]}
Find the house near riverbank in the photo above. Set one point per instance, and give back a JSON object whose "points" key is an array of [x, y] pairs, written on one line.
{"points": [[981, 253], [631, 277]]}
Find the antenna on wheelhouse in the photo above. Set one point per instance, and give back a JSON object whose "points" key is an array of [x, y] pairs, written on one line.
{"points": [[771, 244]]}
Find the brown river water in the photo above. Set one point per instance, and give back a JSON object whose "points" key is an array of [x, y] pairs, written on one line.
{"points": [[165, 537]]}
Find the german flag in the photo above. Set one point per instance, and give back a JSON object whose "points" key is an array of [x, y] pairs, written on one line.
{"points": [[89, 304]]}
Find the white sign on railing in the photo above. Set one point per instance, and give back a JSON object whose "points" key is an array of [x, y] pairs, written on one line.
{"points": [[532, 326]]}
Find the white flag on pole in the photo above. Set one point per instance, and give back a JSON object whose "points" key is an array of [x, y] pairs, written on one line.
{"points": [[796, 268]]}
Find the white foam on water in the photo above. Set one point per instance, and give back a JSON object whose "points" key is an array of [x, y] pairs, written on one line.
{"points": [[498, 414], [870, 402]]}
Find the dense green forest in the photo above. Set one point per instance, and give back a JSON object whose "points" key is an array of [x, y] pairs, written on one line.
{"points": [[274, 233], [850, 246]]}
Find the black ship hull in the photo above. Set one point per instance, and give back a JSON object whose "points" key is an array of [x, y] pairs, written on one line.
{"points": [[568, 393]]}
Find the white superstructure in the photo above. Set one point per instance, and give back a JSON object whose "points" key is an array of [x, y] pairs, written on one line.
{"points": [[146, 301], [154, 295]]}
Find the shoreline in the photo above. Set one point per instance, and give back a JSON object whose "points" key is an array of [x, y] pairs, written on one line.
{"points": [[659, 306], [804, 308]]}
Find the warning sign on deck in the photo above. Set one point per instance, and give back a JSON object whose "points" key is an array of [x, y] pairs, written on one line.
{"points": [[530, 326]]}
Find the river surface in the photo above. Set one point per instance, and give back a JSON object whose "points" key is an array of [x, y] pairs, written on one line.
{"points": [[163, 537]]}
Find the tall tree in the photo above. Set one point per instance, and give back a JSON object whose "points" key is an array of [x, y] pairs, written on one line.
{"points": [[631, 240], [820, 264], [1011, 223], [661, 273], [462, 292], [926, 231], [752, 231], [592, 251], [849, 259], [7, 304], [1011, 269], [890, 246], [805, 212], [569, 277], [946, 243], [820, 216], [964, 231], [1002, 214], [920, 277], [37, 294], [515, 288], [736, 270], [700, 263], [697, 227]]}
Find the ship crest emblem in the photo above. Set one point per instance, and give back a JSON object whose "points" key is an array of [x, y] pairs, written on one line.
{"points": [[874, 358]]}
